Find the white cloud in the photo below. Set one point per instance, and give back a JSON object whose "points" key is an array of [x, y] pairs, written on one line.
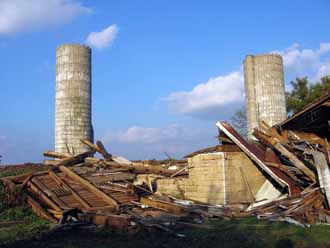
{"points": [[210, 100], [137, 142], [323, 70], [313, 63], [147, 135], [215, 93], [103, 38], [26, 15]]}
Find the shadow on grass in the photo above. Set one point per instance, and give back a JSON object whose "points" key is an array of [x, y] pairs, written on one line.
{"points": [[232, 233]]}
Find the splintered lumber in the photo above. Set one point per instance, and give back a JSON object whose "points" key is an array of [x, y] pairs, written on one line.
{"points": [[311, 138], [103, 151], [58, 155], [163, 205], [91, 187], [150, 169], [98, 147], [76, 159], [250, 151], [286, 153]]}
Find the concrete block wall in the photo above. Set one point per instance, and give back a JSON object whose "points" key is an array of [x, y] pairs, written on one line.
{"points": [[73, 120], [206, 181], [217, 178]]}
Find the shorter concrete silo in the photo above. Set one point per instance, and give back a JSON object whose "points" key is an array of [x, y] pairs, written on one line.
{"points": [[264, 90]]}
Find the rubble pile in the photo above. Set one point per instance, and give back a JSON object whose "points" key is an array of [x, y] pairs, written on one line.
{"points": [[293, 156]]}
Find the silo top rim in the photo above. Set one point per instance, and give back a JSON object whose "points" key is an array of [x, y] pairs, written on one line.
{"points": [[73, 45], [264, 55]]}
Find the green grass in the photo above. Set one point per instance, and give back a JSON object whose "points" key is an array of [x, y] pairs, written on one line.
{"points": [[223, 233], [32, 225], [248, 232]]}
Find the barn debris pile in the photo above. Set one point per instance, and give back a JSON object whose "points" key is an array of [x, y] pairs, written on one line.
{"points": [[281, 176]]}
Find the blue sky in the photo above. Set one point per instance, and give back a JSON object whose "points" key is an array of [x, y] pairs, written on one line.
{"points": [[163, 71]]}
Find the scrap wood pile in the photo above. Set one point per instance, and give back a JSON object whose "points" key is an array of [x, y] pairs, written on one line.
{"points": [[104, 192], [293, 156], [298, 164]]}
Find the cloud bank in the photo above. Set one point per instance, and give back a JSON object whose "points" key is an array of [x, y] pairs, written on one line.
{"points": [[314, 63], [223, 93], [216, 93], [27, 15], [104, 38]]}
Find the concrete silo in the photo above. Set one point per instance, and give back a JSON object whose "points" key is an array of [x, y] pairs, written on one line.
{"points": [[264, 90], [73, 120]]}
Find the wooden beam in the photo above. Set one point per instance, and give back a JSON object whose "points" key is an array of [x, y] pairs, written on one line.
{"points": [[274, 142], [103, 151], [76, 159], [151, 169], [58, 155], [43, 196], [91, 187], [39, 210]]}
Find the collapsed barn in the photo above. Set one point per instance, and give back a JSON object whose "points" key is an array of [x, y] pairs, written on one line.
{"points": [[281, 173], [282, 176]]}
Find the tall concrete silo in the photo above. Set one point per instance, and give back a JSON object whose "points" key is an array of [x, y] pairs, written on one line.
{"points": [[264, 90], [73, 120]]}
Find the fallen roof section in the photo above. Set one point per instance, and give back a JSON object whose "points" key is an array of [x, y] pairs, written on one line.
{"points": [[258, 156], [313, 118]]}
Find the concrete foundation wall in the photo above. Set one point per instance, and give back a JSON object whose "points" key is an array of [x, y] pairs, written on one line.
{"points": [[264, 89], [73, 98], [222, 178]]}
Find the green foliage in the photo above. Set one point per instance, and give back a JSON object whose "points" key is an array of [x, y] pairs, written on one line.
{"points": [[304, 92]]}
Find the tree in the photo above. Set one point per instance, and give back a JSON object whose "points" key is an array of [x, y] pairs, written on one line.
{"points": [[304, 92], [239, 121]]}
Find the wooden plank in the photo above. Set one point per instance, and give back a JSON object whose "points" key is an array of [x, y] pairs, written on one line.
{"points": [[166, 206], [285, 152], [43, 196], [179, 171], [73, 192], [39, 210], [48, 191], [87, 184]]}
